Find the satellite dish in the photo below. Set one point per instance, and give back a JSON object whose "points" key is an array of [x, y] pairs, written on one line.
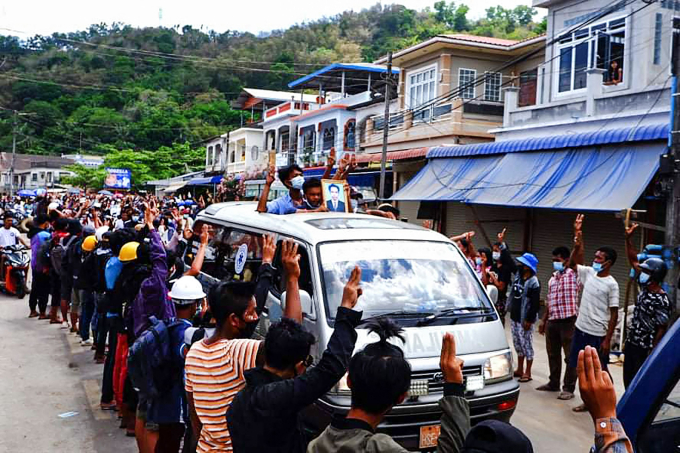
{"points": [[254, 152]]}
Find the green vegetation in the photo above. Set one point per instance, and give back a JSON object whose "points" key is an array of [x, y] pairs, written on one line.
{"points": [[153, 94]]}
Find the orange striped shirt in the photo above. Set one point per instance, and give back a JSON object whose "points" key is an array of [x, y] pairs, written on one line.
{"points": [[214, 375]]}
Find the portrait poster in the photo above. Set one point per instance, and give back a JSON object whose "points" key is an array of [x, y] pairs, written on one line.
{"points": [[335, 195]]}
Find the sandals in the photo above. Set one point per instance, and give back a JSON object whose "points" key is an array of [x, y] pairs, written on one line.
{"points": [[525, 379], [580, 408]]}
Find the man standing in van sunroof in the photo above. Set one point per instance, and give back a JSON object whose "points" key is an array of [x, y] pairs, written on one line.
{"points": [[291, 177]]}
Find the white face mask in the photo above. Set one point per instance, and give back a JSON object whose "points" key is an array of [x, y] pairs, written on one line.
{"points": [[297, 182], [496, 256]]}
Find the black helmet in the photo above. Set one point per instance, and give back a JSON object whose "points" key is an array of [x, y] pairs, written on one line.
{"points": [[656, 268]]}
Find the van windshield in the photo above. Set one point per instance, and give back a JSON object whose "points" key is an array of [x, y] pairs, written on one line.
{"points": [[416, 277]]}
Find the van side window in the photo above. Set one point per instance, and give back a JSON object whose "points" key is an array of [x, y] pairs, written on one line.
{"points": [[305, 272], [222, 250]]}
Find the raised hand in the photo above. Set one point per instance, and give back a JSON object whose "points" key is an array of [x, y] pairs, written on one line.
{"points": [[630, 230], [205, 234], [352, 291], [501, 236], [271, 174], [597, 389], [268, 249], [451, 366], [290, 259], [578, 223], [331, 158]]}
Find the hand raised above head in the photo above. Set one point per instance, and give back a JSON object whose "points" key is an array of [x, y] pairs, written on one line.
{"points": [[352, 291], [290, 259], [597, 389], [268, 249], [451, 366]]}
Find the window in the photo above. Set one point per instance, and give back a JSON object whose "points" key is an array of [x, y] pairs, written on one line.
{"points": [[218, 154], [210, 155], [328, 138], [284, 137], [492, 86], [49, 176], [34, 177], [349, 140], [222, 250], [243, 153], [601, 46], [309, 141], [42, 175], [422, 87], [466, 83], [658, 28]]}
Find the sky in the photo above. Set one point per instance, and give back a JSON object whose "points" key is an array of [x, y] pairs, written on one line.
{"points": [[48, 16]]}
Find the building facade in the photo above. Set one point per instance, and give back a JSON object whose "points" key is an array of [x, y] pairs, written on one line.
{"points": [[591, 141]]}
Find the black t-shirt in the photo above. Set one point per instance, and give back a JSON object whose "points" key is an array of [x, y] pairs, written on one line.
{"points": [[652, 311], [505, 276]]}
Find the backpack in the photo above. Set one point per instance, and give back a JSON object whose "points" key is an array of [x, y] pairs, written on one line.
{"points": [[57, 252], [44, 255], [150, 364]]}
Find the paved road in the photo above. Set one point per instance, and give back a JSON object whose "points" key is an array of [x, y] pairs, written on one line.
{"points": [[45, 372]]}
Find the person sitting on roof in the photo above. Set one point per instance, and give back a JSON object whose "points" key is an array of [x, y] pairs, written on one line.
{"points": [[291, 177]]}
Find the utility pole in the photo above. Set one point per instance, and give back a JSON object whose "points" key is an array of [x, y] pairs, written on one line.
{"points": [[673, 203], [386, 126], [14, 150]]}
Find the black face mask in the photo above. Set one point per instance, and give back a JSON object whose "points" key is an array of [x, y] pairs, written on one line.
{"points": [[249, 330]]}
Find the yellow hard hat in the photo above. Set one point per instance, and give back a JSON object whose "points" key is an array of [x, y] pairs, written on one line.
{"points": [[89, 243], [128, 252]]}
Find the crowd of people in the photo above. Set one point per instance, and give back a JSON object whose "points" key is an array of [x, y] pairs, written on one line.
{"points": [[183, 372], [581, 307]]}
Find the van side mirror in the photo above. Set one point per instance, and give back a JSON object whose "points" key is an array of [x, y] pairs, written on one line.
{"points": [[305, 301], [492, 291]]}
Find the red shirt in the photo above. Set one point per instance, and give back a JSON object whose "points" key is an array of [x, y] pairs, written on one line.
{"points": [[563, 295]]}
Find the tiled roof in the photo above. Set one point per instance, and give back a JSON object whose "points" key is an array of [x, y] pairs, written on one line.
{"points": [[482, 39], [412, 153]]}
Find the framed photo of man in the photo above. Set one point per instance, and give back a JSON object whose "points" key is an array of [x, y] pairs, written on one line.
{"points": [[335, 195]]}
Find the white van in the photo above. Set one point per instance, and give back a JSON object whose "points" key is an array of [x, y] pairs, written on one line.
{"points": [[416, 276]]}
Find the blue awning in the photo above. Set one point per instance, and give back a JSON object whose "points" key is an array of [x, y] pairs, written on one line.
{"points": [[447, 179], [357, 179], [204, 181], [595, 179], [555, 142], [362, 67]]}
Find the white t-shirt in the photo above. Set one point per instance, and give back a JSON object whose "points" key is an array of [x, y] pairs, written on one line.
{"points": [[599, 295], [8, 236]]}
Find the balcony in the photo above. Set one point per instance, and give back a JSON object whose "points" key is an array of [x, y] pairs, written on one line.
{"points": [[290, 108], [236, 167], [437, 124], [352, 100]]}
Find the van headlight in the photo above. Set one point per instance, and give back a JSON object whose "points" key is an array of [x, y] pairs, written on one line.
{"points": [[498, 367], [341, 388]]}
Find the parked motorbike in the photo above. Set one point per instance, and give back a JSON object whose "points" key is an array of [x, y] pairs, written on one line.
{"points": [[17, 260]]}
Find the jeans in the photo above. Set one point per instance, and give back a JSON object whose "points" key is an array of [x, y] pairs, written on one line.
{"points": [[558, 337], [634, 359], [86, 313], [580, 341], [40, 291]]}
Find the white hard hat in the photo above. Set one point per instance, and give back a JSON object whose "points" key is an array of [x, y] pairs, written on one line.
{"points": [[186, 288]]}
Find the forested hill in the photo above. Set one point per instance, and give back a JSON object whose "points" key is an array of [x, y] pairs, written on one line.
{"points": [[118, 87]]}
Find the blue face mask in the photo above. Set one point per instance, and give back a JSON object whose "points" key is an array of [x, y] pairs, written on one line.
{"points": [[297, 182], [597, 267], [643, 278], [558, 266], [478, 261]]}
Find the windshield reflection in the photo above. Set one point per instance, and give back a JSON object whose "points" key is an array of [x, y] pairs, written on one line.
{"points": [[410, 276]]}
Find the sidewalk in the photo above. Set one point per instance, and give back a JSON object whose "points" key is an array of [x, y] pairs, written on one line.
{"points": [[550, 423]]}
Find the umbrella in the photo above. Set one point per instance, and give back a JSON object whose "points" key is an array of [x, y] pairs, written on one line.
{"points": [[26, 193], [74, 190], [105, 192]]}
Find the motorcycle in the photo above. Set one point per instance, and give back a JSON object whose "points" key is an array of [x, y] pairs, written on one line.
{"points": [[17, 259]]}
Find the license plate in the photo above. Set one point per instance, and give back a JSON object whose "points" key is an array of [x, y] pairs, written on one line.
{"points": [[429, 435], [474, 383]]}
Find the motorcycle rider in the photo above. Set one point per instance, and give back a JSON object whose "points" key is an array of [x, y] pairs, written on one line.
{"points": [[9, 236]]}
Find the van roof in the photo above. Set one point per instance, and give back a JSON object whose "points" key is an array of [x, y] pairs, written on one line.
{"points": [[317, 227]]}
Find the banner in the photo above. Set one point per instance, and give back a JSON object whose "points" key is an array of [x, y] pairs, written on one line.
{"points": [[118, 178]]}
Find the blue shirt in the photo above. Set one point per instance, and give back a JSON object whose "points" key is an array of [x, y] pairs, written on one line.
{"points": [[112, 271], [282, 206]]}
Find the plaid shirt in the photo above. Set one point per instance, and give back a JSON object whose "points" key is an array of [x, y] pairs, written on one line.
{"points": [[563, 295], [610, 437]]}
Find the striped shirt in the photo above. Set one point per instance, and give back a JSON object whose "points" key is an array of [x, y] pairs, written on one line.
{"points": [[563, 295], [214, 375]]}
